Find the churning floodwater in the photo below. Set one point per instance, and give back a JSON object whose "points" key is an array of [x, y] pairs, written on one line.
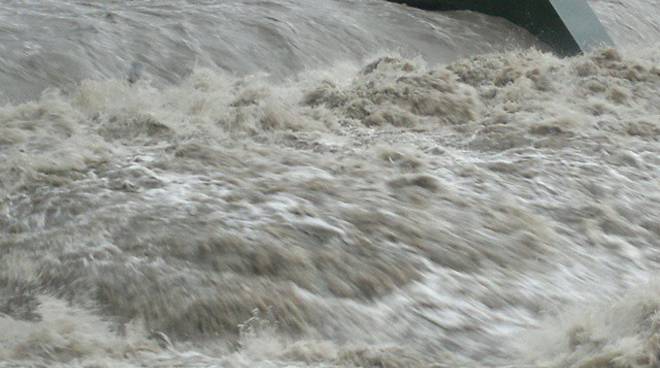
{"points": [[324, 183]]}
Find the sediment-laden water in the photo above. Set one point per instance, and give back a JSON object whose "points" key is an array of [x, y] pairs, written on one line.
{"points": [[338, 183]]}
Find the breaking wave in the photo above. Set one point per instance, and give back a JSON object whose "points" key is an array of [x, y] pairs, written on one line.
{"points": [[495, 210], [326, 201]]}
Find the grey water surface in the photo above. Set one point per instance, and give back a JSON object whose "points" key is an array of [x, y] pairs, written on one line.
{"points": [[324, 183]]}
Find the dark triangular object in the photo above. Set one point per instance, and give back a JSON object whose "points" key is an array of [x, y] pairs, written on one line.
{"points": [[568, 26]]}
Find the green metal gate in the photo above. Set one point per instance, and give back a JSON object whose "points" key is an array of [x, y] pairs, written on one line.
{"points": [[568, 26]]}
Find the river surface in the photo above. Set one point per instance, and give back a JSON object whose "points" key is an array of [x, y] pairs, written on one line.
{"points": [[324, 183]]}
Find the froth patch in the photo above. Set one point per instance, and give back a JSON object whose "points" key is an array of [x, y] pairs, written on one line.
{"points": [[66, 334], [623, 333]]}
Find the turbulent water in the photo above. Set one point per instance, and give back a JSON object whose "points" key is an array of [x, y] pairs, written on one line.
{"points": [[324, 183]]}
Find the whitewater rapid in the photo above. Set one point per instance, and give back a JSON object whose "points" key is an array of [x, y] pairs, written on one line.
{"points": [[303, 184]]}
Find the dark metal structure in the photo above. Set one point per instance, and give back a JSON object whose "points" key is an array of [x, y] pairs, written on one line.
{"points": [[568, 26]]}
